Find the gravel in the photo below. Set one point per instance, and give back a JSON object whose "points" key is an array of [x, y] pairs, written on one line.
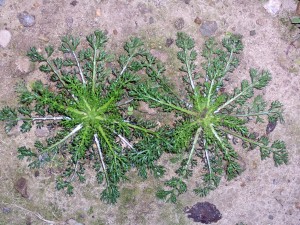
{"points": [[26, 19]]}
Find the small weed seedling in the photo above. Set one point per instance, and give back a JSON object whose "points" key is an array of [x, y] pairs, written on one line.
{"points": [[210, 116]]}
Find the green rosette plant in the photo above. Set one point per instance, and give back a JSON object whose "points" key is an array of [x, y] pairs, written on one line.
{"points": [[208, 117], [86, 103]]}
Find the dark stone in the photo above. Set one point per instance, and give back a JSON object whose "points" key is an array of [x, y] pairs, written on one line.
{"points": [[187, 1], [21, 187], [169, 42], [36, 173], [179, 23], [270, 127], [204, 212], [252, 32], [197, 20], [74, 3], [271, 217]]}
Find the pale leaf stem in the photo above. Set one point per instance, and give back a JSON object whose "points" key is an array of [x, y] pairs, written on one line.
{"points": [[198, 132], [79, 67], [74, 131]]}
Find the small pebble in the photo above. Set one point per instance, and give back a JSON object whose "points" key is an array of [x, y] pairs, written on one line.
{"points": [[115, 32], [5, 37], [74, 3], [208, 28], [271, 127], [243, 184], [98, 12], [179, 23], [197, 21], [271, 217], [273, 7], [151, 20], [169, 42], [21, 187], [36, 173], [26, 19], [276, 181], [252, 32]]}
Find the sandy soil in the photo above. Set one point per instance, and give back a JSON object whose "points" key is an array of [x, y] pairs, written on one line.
{"points": [[262, 195]]}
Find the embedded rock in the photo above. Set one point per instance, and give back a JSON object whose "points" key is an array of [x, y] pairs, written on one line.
{"points": [[204, 212], [273, 7], [21, 187], [208, 28], [5, 37], [26, 19]]}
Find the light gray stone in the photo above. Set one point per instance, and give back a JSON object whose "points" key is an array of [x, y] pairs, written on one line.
{"points": [[26, 19], [5, 37], [273, 7]]}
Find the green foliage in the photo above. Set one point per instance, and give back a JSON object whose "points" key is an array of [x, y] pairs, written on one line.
{"points": [[208, 116], [91, 100], [177, 187], [84, 102], [295, 20]]}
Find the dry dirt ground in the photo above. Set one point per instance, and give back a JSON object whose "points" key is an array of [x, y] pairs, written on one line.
{"points": [[262, 195]]}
